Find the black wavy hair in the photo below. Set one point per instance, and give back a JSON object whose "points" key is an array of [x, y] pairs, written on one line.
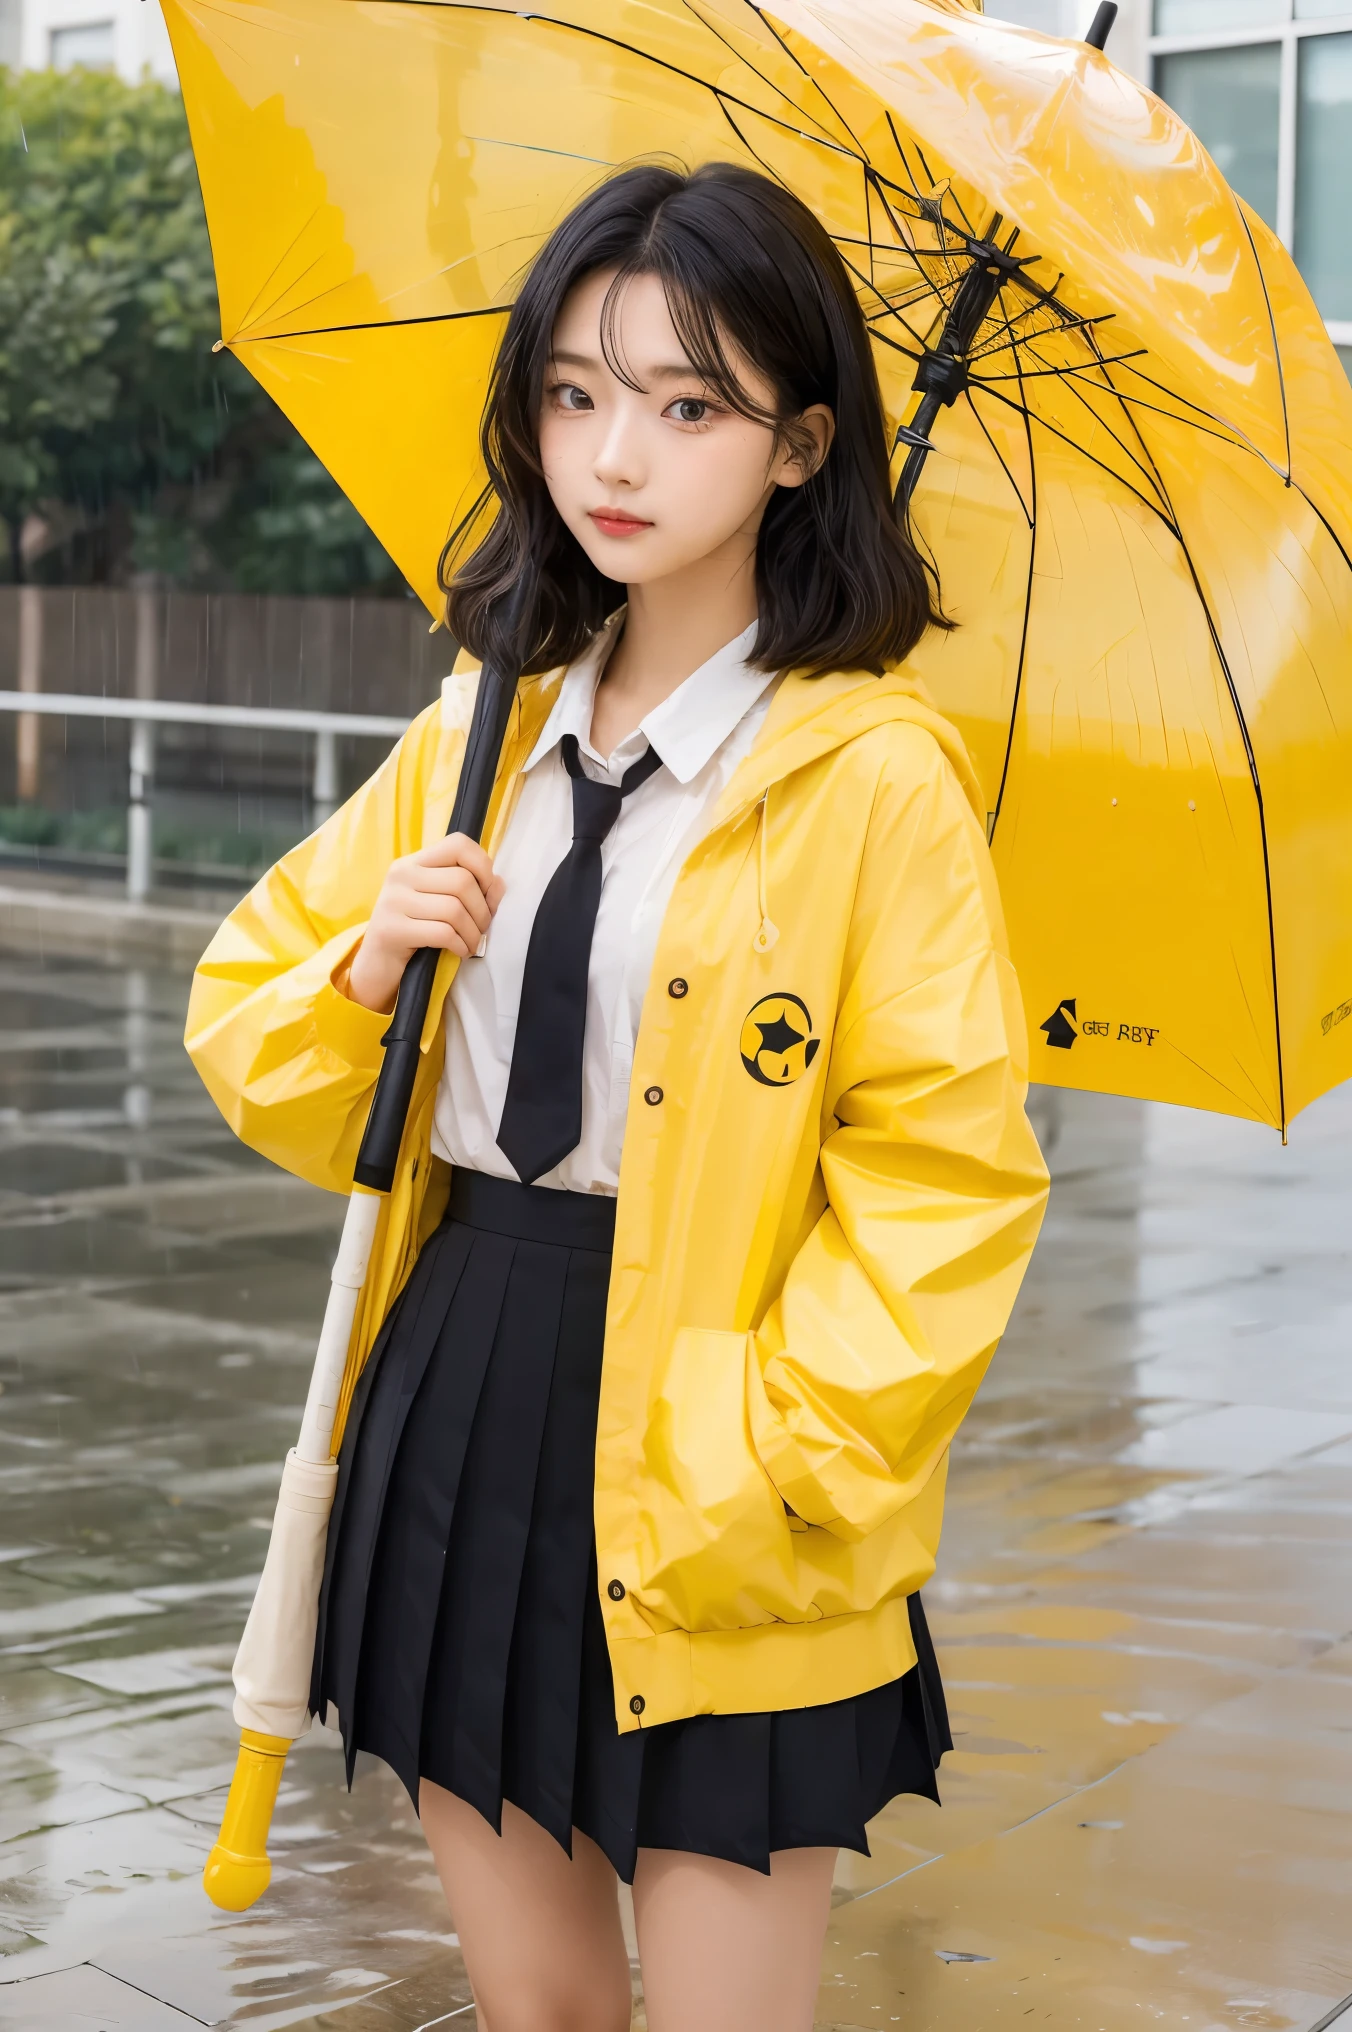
{"points": [[749, 271]]}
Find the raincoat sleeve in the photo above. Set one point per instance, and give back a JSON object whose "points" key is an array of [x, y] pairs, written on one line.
{"points": [[864, 1366], [288, 1059]]}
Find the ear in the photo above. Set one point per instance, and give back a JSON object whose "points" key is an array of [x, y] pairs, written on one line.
{"points": [[806, 441]]}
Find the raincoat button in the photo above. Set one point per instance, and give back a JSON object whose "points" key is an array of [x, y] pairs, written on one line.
{"points": [[653, 1096], [616, 1591], [637, 1704], [678, 988]]}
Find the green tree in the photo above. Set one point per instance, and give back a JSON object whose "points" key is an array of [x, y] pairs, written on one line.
{"points": [[111, 400]]}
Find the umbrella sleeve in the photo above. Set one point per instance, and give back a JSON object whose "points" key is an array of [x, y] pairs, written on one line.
{"points": [[276, 1653]]}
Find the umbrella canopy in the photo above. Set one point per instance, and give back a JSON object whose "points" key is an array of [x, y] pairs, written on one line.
{"points": [[1137, 487]]}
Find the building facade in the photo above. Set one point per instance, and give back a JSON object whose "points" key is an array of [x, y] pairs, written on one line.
{"points": [[1267, 85], [127, 36]]}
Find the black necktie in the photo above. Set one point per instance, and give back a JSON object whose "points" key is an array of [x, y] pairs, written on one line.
{"points": [[542, 1115]]}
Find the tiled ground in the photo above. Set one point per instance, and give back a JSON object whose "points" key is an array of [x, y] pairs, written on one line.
{"points": [[1144, 1604]]}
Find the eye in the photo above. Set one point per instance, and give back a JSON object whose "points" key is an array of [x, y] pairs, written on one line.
{"points": [[688, 409], [569, 396]]}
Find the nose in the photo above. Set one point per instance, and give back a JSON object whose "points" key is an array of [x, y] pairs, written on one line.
{"points": [[621, 460]]}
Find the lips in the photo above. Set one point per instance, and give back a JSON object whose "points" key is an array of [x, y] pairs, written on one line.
{"points": [[614, 522]]}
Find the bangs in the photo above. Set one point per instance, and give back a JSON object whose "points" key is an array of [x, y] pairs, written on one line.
{"points": [[698, 329]]}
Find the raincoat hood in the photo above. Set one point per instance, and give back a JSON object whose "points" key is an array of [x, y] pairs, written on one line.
{"points": [[808, 717]]}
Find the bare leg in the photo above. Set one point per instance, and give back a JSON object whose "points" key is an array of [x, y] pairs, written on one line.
{"points": [[725, 1949], [540, 1935]]}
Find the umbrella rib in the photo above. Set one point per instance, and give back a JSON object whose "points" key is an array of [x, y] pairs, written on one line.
{"points": [[1111, 471], [747, 144], [885, 339], [1014, 485], [1222, 428], [1215, 426], [1065, 324], [797, 61], [1144, 464], [1027, 615], [769, 83], [1272, 327], [888, 309], [1256, 781], [1147, 458], [1074, 372], [439, 317]]}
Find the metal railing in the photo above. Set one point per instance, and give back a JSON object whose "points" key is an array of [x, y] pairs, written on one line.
{"points": [[146, 714]]}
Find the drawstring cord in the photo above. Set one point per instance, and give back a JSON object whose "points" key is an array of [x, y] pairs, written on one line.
{"points": [[768, 932]]}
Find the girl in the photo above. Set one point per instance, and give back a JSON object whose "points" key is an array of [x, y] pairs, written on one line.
{"points": [[717, 1187]]}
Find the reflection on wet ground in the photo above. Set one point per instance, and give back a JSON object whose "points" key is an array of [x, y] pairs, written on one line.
{"points": [[1143, 1606]]}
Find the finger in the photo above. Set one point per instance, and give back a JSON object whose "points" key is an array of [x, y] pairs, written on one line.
{"points": [[449, 885], [457, 850], [415, 934], [412, 880], [446, 913]]}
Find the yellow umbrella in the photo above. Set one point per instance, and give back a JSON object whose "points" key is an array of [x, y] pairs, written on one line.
{"points": [[1121, 429], [1139, 500]]}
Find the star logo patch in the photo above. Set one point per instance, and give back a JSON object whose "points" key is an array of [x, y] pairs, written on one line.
{"points": [[777, 1044]]}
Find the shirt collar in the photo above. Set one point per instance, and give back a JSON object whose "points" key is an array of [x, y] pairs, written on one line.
{"points": [[687, 729]]}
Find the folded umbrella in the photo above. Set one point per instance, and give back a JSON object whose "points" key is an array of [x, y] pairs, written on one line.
{"points": [[1121, 431]]}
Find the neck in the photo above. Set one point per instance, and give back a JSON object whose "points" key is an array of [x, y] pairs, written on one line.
{"points": [[671, 627]]}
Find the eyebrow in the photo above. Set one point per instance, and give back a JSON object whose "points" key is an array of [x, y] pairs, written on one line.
{"points": [[668, 371]]}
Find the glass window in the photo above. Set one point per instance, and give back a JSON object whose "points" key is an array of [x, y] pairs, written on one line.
{"points": [[1229, 98], [89, 45], [1202, 17], [1320, 10], [1323, 246]]}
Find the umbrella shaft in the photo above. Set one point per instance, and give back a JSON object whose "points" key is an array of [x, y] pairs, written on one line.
{"points": [[922, 423]]}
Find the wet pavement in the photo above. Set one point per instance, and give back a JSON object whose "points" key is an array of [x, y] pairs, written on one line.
{"points": [[1143, 1608]]}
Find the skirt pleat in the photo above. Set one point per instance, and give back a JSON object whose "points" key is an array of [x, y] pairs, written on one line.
{"points": [[461, 1637]]}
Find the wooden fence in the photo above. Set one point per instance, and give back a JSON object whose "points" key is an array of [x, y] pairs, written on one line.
{"points": [[356, 655]]}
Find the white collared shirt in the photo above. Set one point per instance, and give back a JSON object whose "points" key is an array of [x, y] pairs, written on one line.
{"points": [[702, 731]]}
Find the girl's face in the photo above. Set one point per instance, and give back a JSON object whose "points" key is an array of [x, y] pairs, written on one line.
{"points": [[656, 478]]}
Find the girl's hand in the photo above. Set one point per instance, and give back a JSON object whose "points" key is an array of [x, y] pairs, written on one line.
{"points": [[444, 896]]}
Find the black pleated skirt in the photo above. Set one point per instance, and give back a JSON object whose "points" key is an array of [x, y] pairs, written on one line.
{"points": [[460, 1633]]}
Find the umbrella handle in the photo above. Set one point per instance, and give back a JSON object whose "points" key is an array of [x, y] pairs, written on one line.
{"points": [[238, 1872], [378, 1156]]}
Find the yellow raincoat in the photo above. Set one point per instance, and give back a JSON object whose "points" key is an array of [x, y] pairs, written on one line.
{"points": [[829, 1189]]}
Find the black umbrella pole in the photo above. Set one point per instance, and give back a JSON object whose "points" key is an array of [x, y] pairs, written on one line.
{"points": [[379, 1153], [922, 424], [942, 374]]}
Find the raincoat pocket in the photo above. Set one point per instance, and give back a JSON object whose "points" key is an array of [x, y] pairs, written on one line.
{"points": [[715, 1548]]}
